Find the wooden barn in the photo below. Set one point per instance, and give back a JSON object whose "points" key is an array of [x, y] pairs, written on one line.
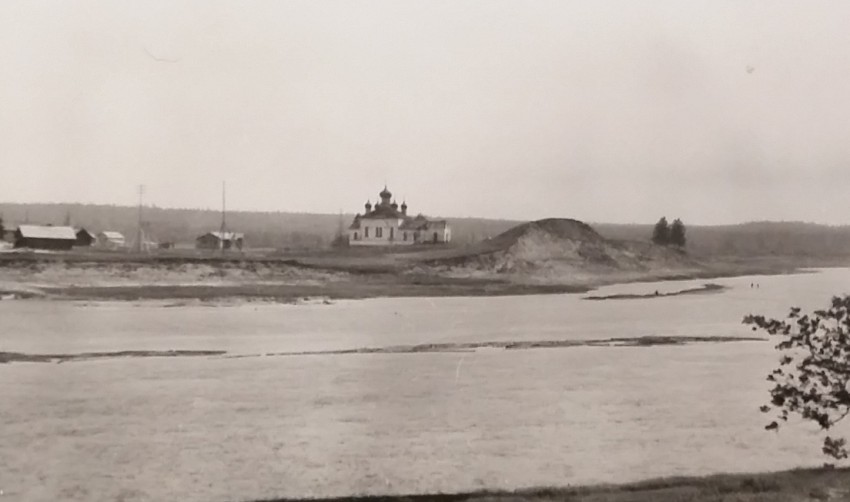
{"points": [[85, 238], [218, 240], [45, 237], [109, 239]]}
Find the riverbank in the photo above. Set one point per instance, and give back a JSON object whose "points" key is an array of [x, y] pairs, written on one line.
{"points": [[822, 484], [289, 280]]}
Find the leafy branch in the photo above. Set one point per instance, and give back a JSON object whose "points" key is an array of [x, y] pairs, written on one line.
{"points": [[814, 369]]}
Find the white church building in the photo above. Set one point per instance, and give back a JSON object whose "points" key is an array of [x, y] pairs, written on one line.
{"points": [[387, 224]]}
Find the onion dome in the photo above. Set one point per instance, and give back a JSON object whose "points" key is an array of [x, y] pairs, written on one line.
{"points": [[385, 194]]}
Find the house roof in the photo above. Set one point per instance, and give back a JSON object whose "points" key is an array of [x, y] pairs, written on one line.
{"points": [[81, 230], [226, 236], [112, 235], [47, 232]]}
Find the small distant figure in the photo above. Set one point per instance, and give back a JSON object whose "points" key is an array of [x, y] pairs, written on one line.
{"points": [[751, 285], [656, 292]]}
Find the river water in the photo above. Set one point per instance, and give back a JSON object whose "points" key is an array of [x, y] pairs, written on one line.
{"points": [[259, 426]]}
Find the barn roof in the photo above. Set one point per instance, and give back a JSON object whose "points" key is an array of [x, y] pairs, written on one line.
{"points": [[112, 235], [227, 236], [47, 232]]}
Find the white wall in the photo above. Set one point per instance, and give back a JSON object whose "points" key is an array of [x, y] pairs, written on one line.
{"points": [[426, 236], [386, 226]]}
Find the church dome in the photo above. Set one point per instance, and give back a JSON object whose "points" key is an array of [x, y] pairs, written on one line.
{"points": [[385, 194]]}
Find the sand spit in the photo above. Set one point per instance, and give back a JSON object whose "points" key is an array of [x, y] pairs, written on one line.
{"points": [[704, 289], [644, 341], [9, 357]]}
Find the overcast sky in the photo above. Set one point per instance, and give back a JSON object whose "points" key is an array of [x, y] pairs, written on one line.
{"points": [[714, 112]]}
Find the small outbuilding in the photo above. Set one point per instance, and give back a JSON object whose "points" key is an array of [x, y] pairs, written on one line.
{"points": [[85, 238], [45, 237], [219, 240], [109, 239]]}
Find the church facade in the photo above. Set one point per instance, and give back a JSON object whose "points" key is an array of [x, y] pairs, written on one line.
{"points": [[388, 224]]}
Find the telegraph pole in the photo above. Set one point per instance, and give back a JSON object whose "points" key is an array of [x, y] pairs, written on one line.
{"points": [[140, 233], [223, 217], [340, 229]]}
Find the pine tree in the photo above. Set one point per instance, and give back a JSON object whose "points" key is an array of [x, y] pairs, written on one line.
{"points": [[677, 233], [661, 232]]}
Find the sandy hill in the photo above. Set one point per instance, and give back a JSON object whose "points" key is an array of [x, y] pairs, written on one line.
{"points": [[560, 250]]}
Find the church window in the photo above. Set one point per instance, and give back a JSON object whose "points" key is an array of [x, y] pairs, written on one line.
{"points": [[379, 232]]}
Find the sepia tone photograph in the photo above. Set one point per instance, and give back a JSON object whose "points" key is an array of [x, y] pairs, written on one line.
{"points": [[424, 251]]}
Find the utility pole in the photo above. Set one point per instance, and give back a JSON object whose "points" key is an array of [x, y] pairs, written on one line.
{"points": [[222, 234], [140, 233], [341, 229]]}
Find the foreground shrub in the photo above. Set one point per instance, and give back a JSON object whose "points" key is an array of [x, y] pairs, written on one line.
{"points": [[814, 369]]}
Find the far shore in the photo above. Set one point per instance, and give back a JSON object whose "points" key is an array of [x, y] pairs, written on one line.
{"points": [[124, 277]]}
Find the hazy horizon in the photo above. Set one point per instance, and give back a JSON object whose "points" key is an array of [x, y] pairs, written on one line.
{"points": [[606, 112]]}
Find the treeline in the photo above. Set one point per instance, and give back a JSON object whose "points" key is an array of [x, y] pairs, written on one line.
{"points": [[750, 239], [665, 234]]}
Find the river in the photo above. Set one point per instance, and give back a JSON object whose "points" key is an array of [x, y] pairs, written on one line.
{"points": [[250, 425]]}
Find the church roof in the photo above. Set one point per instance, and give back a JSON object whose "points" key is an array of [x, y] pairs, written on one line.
{"points": [[383, 212], [411, 224]]}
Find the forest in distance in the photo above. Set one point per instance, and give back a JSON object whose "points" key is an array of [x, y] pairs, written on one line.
{"points": [[279, 230]]}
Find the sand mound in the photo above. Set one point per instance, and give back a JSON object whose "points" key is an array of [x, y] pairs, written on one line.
{"points": [[558, 250]]}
